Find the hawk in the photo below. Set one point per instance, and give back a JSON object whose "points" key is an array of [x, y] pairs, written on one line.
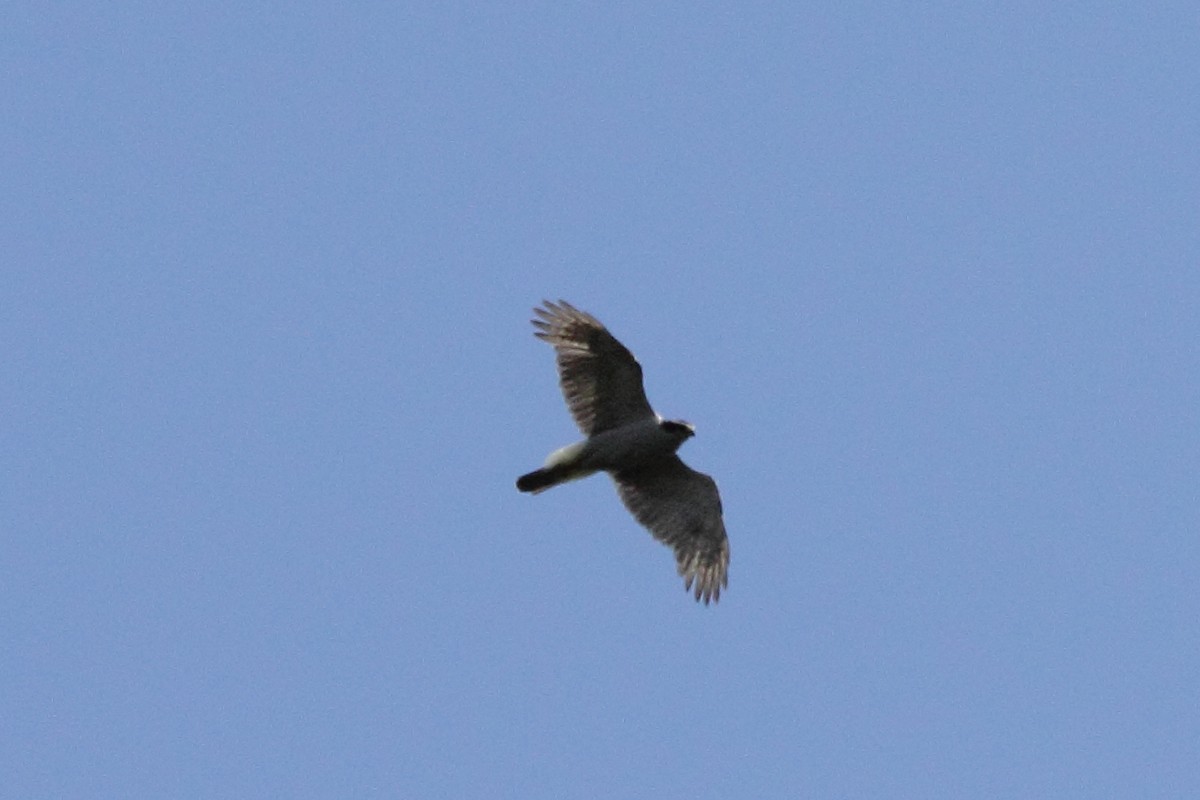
{"points": [[602, 384]]}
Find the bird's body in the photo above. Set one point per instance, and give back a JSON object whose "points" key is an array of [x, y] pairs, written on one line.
{"points": [[614, 449], [602, 384]]}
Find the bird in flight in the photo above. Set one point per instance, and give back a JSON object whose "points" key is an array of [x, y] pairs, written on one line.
{"points": [[602, 384]]}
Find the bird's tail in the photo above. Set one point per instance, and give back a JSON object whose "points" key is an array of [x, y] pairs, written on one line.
{"points": [[541, 479], [561, 466]]}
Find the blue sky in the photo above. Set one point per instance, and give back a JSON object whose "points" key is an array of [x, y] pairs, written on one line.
{"points": [[925, 279]]}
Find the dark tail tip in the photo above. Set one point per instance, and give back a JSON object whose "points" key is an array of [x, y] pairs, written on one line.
{"points": [[535, 481]]}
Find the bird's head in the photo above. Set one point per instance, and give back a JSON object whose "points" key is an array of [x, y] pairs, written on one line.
{"points": [[679, 428]]}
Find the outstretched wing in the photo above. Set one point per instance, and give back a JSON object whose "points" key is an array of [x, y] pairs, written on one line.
{"points": [[600, 378], [682, 508]]}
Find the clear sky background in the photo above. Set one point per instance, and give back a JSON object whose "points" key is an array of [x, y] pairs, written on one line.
{"points": [[925, 277]]}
